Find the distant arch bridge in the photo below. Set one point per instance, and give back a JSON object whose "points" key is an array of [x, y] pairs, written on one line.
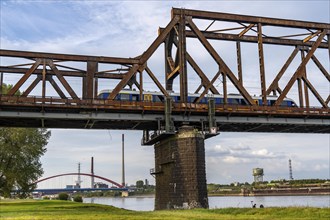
{"points": [[82, 174]]}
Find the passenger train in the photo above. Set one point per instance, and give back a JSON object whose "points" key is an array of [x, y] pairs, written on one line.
{"points": [[232, 99]]}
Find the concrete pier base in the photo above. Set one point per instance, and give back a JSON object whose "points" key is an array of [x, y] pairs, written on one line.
{"points": [[180, 171]]}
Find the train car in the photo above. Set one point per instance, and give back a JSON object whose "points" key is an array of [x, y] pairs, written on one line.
{"points": [[232, 99]]}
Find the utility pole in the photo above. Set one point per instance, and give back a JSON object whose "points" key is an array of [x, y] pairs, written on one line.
{"points": [[123, 162]]}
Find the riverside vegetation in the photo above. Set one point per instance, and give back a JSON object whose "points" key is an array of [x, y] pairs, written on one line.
{"points": [[56, 209]]}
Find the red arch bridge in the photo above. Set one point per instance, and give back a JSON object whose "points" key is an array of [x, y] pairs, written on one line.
{"points": [[117, 186]]}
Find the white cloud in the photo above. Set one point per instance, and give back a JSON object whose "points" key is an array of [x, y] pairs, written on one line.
{"points": [[319, 167], [236, 160]]}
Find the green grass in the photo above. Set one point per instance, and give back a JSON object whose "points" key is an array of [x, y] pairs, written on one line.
{"points": [[45, 209]]}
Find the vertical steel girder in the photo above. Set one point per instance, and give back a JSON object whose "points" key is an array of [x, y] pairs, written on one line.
{"points": [[239, 62], [182, 59], [88, 80], [262, 66], [304, 73]]}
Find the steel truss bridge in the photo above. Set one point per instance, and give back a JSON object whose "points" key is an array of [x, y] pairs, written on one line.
{"points": [[43, 94]]}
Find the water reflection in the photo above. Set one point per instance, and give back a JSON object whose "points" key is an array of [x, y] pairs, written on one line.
{"points": [[147, 203]]}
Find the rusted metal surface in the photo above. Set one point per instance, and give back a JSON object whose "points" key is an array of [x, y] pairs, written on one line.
{"points": [[299, 72], [57, 70], [67, 57], [262, 66], [253, 39], [208, 15], [137, 106]]}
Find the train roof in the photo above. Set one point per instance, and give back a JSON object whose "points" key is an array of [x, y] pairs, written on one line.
{"points": [[230, 95]]}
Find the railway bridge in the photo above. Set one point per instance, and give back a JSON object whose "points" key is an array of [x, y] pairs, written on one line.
{"points": [[62, 90]]}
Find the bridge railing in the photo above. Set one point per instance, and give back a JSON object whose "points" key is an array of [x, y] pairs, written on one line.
{"points": [[148, 106]]}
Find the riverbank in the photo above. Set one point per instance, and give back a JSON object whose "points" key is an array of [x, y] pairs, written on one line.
{"points": [[52, 209], [301, 191]]}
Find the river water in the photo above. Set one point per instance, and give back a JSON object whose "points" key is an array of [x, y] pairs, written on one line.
{"points": [[147, 203]]}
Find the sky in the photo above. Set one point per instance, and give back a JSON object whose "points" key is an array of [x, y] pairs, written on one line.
{"points": [[126, 29]]}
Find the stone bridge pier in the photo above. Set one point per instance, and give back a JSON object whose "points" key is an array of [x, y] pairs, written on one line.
{"points": [[180, 171]]}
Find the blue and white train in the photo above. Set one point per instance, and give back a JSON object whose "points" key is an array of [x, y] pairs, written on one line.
{"points": [[232, 99]]}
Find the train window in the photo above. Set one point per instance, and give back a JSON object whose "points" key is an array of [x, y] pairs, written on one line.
{"points": [[161, 98], [135, 97], [158, 98], [173, 98], [103, 95], [243, 102], [124, 97], [219, 101], [193, 99], [284, 104]]}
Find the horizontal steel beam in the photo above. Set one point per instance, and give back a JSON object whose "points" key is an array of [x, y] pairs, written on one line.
{"points": [[249, 19], [63, 73], [253, 39], [98, 116], [67, 57]]}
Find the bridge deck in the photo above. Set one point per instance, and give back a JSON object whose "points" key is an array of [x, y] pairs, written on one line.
{"points": [[110, 114]]}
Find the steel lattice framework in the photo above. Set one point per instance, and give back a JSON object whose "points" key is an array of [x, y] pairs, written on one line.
{"points": [[56, 70]]}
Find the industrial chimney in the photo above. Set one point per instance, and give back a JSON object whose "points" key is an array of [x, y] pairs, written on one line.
{"points": [[92, 172], [123, 163]]}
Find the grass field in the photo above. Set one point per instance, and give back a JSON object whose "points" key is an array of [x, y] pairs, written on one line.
{"points": [[46, 209]]}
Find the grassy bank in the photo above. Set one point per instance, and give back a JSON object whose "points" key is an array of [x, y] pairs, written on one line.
{"points": [[45, 209]]}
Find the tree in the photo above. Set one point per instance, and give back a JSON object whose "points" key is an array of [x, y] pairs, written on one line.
{"points": [[5, 89], [139, 184], [78, 198], [21, 149], [63, 196]]}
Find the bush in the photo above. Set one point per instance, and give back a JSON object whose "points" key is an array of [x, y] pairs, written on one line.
{"points": [[78, 198], [63, 196]]}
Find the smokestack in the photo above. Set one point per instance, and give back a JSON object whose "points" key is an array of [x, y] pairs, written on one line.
{"points": [[123, 163], [92, 172]]}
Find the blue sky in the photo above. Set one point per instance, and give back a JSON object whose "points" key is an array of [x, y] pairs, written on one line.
{"points": [[126, 29]]}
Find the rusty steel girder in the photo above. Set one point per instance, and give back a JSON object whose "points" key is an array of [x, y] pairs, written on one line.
{"points": [[57, 68]]}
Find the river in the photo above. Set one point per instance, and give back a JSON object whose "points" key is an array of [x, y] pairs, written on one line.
{"points": [[147, 203]]}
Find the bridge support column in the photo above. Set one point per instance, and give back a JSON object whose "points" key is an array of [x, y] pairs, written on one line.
{"points": [[180, 171]]}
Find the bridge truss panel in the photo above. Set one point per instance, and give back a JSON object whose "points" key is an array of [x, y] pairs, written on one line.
{"points": [[53, 83]]}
